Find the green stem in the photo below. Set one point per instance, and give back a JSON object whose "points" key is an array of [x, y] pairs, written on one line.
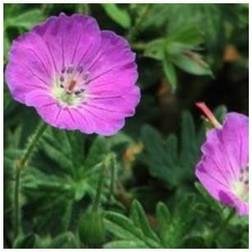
{"points": [[31, 144], [21, 164], [84, 9], [98, 190], [16, 203], [132, 33], [112, 181], [223, 225], [106, 163], [141, 46]]}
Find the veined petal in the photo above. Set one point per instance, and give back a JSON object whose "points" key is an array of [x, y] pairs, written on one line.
{"points": [[71, 40], [75, 75], [223, 168], [235, 139]]}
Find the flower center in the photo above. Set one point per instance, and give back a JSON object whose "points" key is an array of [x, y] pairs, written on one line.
{"points": [[69, 86], [241, 186]]}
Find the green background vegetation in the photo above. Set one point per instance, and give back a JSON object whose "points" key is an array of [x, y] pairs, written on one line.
{"points": [[149, 197]]}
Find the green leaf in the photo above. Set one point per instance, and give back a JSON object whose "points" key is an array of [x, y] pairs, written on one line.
{"points": [[181, 220], [188, 35], [6, 46], [162, 213], [60, 175], [65, 240], [125, 244], [27, 241], [211, 202], [117, 14], [170, 73], [192, 62], [135, 229], [155, 155], [188, 132], [57, 155], [121, 226], [171, 146], [97, 152], [164, 219], [155, 49], [140, 220], [26, 19], [164, 159], [220, 113]]}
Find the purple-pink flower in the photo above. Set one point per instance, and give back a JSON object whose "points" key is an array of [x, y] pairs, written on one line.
{"points": [[223, 169], [75, 75]]}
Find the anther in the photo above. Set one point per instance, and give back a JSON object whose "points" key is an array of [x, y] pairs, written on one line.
{"points": [[63, 70], [246, 182], [61, 85], [85, 77], [79, 69], [62, 78], [79, 91], [70, 69]]}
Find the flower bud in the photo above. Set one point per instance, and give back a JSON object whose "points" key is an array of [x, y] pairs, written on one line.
{"points": [[92, 228]]}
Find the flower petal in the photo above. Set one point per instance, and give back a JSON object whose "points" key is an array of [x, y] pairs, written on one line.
{"points": [[220, 191], [210, 181], [113, 76], [29, 66], [215, 159], [114, 53], [235, 139], [107, 63], [225, 153], [105, 122], [242, 208], [71, 40]]}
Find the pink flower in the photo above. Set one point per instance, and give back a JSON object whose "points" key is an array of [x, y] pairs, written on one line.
{"points": [[223, 169], [76, 76]]}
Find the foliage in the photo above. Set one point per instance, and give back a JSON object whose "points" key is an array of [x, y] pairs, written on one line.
{"points": [[150, 197], [162, 156]]}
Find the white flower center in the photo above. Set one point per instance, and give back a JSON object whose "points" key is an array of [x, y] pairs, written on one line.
{"points": [[241, 186], [69, 87]]}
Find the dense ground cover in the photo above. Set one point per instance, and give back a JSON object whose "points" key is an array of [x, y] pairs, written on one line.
{"points": [[138, 187]]}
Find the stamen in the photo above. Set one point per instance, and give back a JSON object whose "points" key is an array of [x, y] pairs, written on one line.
{"points": [[69, 86], [85, 76], [79, 69], [79, 91], [70, 69], [63, 69]]}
